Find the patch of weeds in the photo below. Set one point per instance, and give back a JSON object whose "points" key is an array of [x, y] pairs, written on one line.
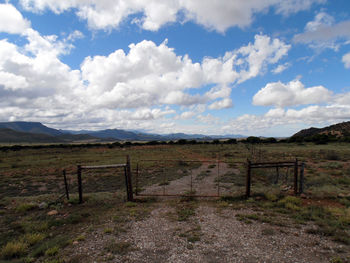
{"points": [[120, 248], [74, 219], [231, 199], [192, 235], [267, 232], [260, 218], [271, 197], [52, 251], [118, 230], [290, 202], [185, 212], [14, 249], [164, 183], [34, 226], [81, 237], [336, 260], [130, 204], [211, 166], [120, 219], [58, 241], [25, 207], [108, 230], [33, 238], [332, 165]]}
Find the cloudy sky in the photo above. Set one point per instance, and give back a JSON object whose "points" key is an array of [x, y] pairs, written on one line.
{"points": [[252, 67]]}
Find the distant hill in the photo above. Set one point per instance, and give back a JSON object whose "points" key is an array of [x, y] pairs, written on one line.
{"points": [[339, 130], [33, 127], [11, 136], [18, 132], [118, 134]]}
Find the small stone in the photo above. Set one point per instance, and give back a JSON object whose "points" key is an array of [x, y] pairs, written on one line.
{"points": [[43, 205], [75, 242], [52, 212]]}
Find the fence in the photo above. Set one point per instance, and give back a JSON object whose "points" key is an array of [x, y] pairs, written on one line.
{"points": [[298, 178], [193, 178], [80, 168]]}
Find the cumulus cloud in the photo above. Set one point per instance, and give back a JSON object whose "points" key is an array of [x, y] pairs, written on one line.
{"points": [[221, 104], [323, 32], [291, 94], [152, 75], [131, 89], [214, 15], [11, 20], [346, 60], [311, 115]]}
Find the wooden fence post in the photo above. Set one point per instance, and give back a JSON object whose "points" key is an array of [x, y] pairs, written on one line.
{"points": [[296, 177], [137, 180], [248, 179], [80, 187], [65, 183], [129, 180], [301, 182]]}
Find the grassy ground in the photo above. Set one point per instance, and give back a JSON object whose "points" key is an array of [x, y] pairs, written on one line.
{"points": [[32, 178]]}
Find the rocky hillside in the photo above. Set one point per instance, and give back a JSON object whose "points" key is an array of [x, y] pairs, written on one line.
{"points": [[339, 130]]}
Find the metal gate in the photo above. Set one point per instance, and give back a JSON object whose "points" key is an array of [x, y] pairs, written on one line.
{"points": [[208, 178]]}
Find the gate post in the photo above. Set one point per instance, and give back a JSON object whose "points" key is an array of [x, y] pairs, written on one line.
{"points": [[301, 182], [296, 177], [80, 188], [65, 183], [128, 178], [248, 179]]}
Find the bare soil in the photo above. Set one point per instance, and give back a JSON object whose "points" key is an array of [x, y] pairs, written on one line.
{"points": [[212, 234]]}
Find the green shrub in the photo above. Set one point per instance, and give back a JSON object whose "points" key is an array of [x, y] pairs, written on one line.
{"points": [[14, 249], [33, 238], [25, 207], [290, 202], [120, 248], [52, 251]]}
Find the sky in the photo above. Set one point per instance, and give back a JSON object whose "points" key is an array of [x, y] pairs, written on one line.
{"points": [[250, 67]]}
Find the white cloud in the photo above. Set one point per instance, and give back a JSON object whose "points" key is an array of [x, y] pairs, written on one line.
{"points": [[11, 20], [322, 32], [281, 68], [346, 60], [264, 51], [185, 115], [291, 94], [221, 104], [214, 15], [312, 116], [135, 89], [152, 75], [35, 81]]}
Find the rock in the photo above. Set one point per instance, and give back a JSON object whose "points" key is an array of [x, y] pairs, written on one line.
{"points": [[75, 242], [52, 212], [43, 205]]}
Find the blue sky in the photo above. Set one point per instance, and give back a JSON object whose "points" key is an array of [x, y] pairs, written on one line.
{"points": [[259, 67]]}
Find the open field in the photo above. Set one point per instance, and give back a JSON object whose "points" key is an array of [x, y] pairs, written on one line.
{"points": [[271, 226]]}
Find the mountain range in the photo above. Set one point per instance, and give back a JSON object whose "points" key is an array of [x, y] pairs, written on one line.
{"points": [[36, 132], [339, 130]]}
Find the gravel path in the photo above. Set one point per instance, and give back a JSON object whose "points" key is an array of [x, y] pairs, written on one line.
{"points": [[220, 237]]}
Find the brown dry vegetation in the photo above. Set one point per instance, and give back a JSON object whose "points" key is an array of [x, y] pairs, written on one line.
{"points": [[271, 226]]}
